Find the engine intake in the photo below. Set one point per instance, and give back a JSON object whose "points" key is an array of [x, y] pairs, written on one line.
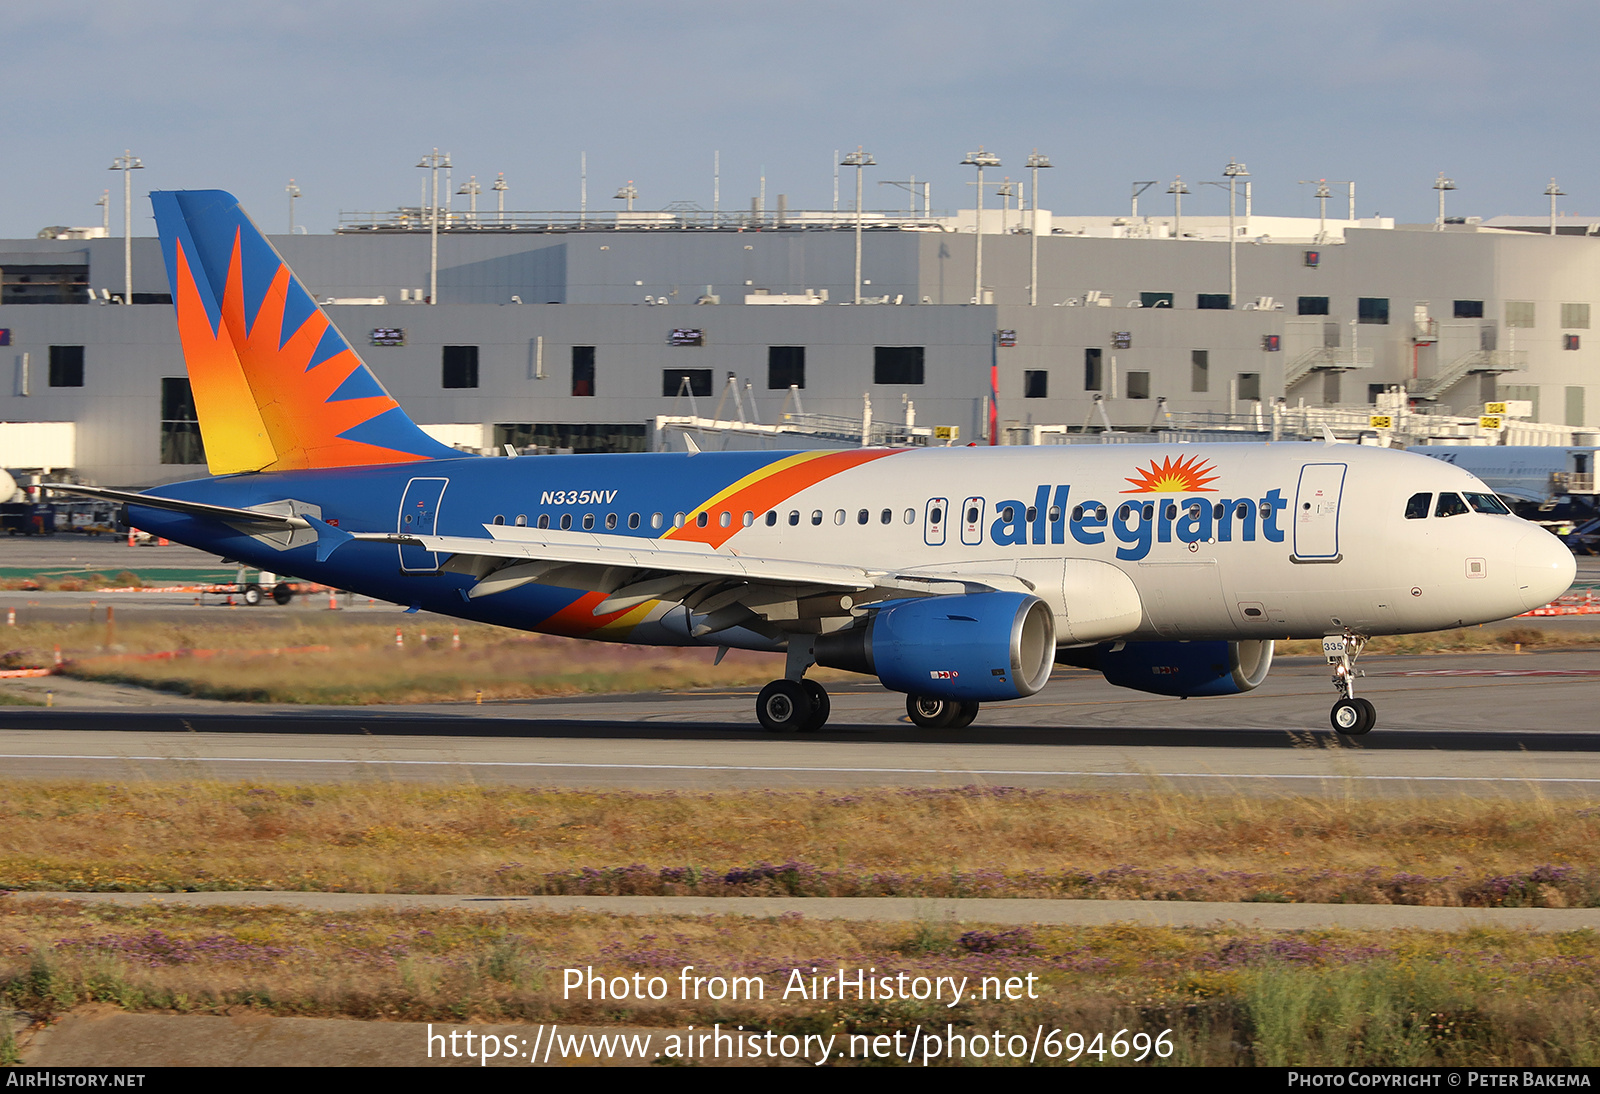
{"points": [[976, 646]]}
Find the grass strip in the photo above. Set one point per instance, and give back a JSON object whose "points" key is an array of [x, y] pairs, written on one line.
{"points": [[948, 842], [1231, 997], [279, 658]]}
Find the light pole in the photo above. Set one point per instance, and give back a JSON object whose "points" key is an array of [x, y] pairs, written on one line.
{"points": [[1035, 162], [1233, 172], [1554, 192], [500, 189], [979, 159], [1177, 190], [1323, 194], [858, 159], [105, 211], [293, 191], [1442, 184], [472, 190], [127, 163], [433, 161]]}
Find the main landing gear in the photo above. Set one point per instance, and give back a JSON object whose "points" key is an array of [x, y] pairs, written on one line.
{"points": [[931, 712], [1350, 715], [789, 705]]}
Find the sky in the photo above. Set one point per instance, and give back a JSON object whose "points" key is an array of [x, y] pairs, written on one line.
{"points": [[346, 96]]}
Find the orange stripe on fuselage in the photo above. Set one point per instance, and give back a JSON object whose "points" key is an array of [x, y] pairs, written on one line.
{"points": [[769, 486], [577, 620]]}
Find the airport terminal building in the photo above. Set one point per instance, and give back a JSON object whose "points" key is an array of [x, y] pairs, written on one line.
{"points": [[579, 336]]}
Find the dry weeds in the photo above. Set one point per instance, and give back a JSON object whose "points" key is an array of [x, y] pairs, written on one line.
{"points": [[970, 841], [1231, 996]]}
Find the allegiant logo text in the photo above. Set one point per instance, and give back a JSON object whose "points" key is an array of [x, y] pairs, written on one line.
{"points": [[1136, 524]]}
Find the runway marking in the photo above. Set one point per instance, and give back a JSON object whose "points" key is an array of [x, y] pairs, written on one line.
{"points": [[1489, 672], [803, 770]]}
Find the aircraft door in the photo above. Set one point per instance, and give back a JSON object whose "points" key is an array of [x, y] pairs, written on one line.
{"points": [[972, 521], [419, 515], [1316, 512], [933, 521]]}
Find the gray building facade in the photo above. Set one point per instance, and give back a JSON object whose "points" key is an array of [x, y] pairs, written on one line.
{"points": [[549, 338]]}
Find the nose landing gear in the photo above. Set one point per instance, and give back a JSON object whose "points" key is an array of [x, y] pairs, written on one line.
{"points": [[1350, 715]]}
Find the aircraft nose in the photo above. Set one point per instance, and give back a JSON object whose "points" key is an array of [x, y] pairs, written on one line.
{"points": [[1544, 568]]}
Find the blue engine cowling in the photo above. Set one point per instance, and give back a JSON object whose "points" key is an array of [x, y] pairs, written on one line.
{"points": [[1178, 668], [976, 646]]}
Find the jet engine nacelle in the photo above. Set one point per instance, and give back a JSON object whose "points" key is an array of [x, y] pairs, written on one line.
{"points": [[976, 646], [1178, 668]]}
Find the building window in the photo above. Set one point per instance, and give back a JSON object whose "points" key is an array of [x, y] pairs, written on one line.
{"points": [[1156, 299], [1199, 370], [583, 370], [698, 380], [786, 367], [1138, 385], [1313, 305], [572, 436], [1373, 309], [460, 366], [1093, 375], [1469, 309], [180, 426], [66, 366], [1213, 301], [1569, 341], [897, 364], [1519, 313], [1035, 384], [1250, 385], [1575, 316]]}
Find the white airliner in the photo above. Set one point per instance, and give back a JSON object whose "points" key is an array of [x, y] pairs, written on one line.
{"points": [[956, 575]]}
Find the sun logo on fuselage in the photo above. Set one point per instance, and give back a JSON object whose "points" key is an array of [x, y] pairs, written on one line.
{"points": [[1171, 476]]}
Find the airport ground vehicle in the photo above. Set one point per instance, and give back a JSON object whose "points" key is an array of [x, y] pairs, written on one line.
{"points": [[958, 576]]}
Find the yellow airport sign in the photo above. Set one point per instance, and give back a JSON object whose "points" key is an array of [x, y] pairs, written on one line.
{"points": [[1381, 421], [947, 432], [1496, 408], [1489, 421]]}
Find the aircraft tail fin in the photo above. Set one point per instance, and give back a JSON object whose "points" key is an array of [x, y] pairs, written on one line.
{"points": [[276, 386]]}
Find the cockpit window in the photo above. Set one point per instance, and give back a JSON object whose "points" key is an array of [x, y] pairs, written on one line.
{"points": [[1487, 503], [1417, 506], [1450, 505]]}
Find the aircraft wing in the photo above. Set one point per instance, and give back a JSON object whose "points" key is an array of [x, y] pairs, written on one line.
{"points": [[673, 569]]}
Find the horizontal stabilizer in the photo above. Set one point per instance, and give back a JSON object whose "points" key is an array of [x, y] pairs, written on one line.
{"points": [[227, 513]]}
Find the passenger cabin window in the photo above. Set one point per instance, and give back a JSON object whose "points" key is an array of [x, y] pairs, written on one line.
{"points": [[1417, 506], [816, 516], [794, 517], [1450, 505], [772, 517], [544, 520]]}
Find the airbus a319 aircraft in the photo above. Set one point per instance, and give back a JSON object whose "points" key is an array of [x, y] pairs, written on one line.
{"points": [[957, 576]]}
